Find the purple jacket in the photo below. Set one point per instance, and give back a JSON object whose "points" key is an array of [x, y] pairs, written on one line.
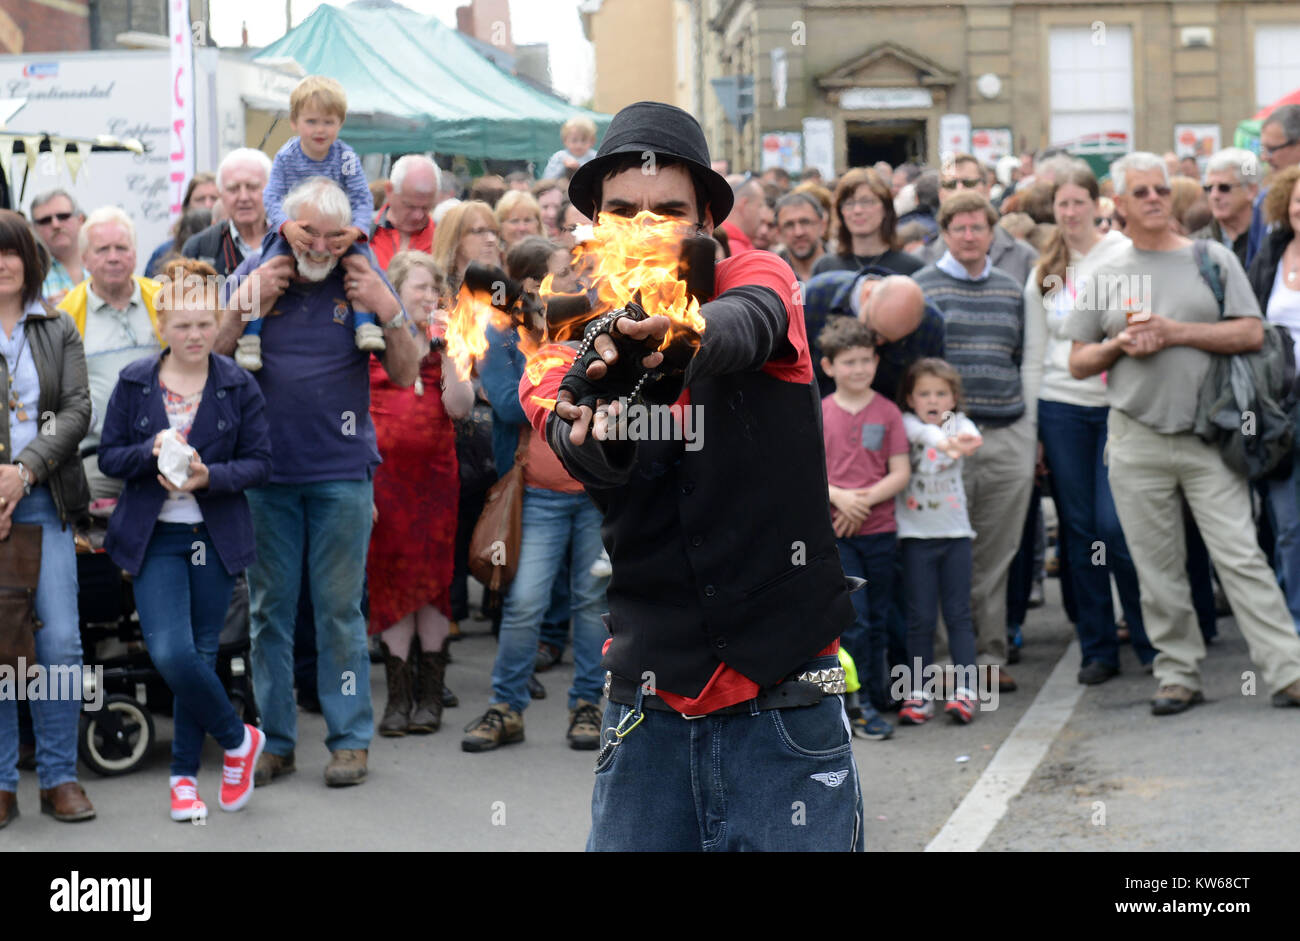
{"points": [[231, 435]]}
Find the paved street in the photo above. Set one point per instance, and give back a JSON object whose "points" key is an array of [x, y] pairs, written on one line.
{"points": [[1214, 778]]}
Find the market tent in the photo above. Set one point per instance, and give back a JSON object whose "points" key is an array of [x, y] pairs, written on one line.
{"points": [[1248, 131], [414, 84]]}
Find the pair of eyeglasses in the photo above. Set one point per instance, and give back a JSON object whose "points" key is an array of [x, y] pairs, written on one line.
{"points": [[1101, 220], [952, 184], [1270, 151], [1223, 188], [53, 217], [1142, 192]]}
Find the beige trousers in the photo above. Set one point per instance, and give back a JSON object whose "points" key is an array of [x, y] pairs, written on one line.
{"points": [[1146, 471]]}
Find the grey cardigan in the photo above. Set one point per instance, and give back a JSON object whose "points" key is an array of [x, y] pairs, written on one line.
{"points": [[63, 411]]}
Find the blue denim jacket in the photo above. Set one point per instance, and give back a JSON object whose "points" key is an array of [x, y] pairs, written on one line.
{"points": [[230, 433]]}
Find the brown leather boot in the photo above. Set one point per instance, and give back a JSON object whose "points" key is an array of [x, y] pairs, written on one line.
{"points": [[427, 716], [8, 808], [397, 711], [67, 802]]}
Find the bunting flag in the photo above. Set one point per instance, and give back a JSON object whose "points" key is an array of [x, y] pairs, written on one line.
{"points": [[6, 156], [32, 147], [73, 158]]}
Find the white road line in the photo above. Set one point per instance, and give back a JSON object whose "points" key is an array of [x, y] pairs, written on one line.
{"points": [[986, 803]]}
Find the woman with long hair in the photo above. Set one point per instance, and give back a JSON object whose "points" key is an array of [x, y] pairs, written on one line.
{"points": [[468, 233], [865, 227], [1072, 427]]}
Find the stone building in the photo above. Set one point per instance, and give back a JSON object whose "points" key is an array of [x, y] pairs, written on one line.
{"points": [[884, 73]]}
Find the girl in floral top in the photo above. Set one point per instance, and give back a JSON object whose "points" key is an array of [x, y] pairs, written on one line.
{"points": [[935, 534]]}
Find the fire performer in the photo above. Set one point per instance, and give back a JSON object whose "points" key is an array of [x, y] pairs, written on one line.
{"points": [[725, 727]]}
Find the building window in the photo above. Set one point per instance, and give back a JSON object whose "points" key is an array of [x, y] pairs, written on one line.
{"points": [[1277, 70], [1092, 82]]}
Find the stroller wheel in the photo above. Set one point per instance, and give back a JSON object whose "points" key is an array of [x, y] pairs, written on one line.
{"points": [[117, 738]]}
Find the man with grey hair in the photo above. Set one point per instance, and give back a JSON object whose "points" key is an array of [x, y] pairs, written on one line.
{"points": [[115, 312], [746, 217], [1008, 253], [1279, 144], [317, 389], [801, 227], [58, 220], [1231, 184], [1157, 350], [241, 178], [404, 222]]}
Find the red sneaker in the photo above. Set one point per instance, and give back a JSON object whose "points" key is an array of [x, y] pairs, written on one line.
{"points": [[961, 708], [237, 773], [185, 801], [917, 710]]}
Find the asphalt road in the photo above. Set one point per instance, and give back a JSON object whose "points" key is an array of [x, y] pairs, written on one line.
{"points": [[1111, 777]]}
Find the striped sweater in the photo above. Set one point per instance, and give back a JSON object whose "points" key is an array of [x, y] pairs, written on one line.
{"points": [[984, 339]]}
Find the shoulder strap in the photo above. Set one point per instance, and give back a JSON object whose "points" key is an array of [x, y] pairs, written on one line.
{"points": [[1209, 270]]}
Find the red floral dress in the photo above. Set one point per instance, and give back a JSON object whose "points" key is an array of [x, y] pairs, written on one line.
{"points": [[416, 489]]}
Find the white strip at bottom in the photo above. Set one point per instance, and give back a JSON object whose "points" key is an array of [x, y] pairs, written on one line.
{"points": [[986, 803]]}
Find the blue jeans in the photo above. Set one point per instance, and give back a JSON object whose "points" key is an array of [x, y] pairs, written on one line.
{"points": [[1074, 441], [781, 779], [552, 521], [867, 641], [333, 519], [1284, 501], [182, 604], [58, 643], [937, 572]]}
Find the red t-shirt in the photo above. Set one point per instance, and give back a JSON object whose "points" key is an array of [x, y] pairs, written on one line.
{"points": [[727, 686], [387, 241], [737, 240], [858, 448]]}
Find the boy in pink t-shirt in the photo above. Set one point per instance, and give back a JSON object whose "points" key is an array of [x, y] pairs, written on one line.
{"points": [[866, 465]]}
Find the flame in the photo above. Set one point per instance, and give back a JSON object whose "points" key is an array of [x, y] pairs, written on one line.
{"points": [[467, 329], [624, 260]]}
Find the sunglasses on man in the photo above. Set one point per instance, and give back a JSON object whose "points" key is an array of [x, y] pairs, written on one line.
{"points": [[1142, 192], [967, 182], [53, 217], [1224, 188]]}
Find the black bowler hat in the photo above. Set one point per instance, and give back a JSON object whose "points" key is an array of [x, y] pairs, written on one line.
{"points": [[662, 129]]}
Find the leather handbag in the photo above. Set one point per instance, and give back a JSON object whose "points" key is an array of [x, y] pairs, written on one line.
{"points": [[498, 534], [20, 570]]}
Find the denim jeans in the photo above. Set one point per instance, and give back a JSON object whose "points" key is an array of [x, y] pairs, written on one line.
{"points": [[58, 643], [333, 517], [1025, 570], [937, 573], [1284, 501], [780, 779], [551, 522], [1074, 442], [182, 604], [867, 641]]}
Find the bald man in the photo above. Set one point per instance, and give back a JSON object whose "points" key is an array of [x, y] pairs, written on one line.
{"points": [[404, 223], [890, 304], [746, 217]]}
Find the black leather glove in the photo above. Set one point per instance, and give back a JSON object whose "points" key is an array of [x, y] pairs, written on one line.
{"points": [[622, 376]]}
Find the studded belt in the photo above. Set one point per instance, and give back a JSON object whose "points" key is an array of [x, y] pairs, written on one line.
{"points": [[805, 689]]}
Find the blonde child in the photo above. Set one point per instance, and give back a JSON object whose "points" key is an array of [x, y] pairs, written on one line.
{"points": [[317, 108], [579, 136], [935, 536]]}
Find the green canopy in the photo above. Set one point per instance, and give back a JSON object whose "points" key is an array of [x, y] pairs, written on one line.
{"points": [[416, 85]]}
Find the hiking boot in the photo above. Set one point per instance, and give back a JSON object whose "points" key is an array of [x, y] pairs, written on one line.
{"points": [[1173, 699], [347, 767], [397, 711], [500, 725], [427, 716], [1288, 696], [584, 726], [271, 766]]}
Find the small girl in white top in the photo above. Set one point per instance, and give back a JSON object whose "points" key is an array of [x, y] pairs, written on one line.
{"points": [[934, 534]]}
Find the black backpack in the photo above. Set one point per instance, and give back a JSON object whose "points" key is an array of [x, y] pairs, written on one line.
{"points": [[1247, 403]]}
